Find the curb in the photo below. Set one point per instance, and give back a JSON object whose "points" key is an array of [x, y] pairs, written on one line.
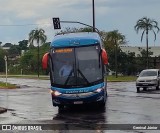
{"points": [[2, 110], [120, 81], [16, 87]]}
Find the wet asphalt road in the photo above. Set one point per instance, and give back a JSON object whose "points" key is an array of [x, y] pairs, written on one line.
{"points": [[31, 104]]}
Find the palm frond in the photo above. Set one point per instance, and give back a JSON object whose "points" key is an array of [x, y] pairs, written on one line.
{"points": [[146, 24], [37, 35]]}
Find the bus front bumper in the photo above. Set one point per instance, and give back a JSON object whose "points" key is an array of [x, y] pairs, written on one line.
{"points": [[79, 98]]}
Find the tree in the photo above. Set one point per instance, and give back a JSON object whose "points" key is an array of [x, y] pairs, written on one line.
{"points": [[7, 45], [146, 24], [28, 61], [23, 44], [141, 59], [39, 36], [130, 64], [2, 62], [14, 51], [115, 38], [74, 30]]}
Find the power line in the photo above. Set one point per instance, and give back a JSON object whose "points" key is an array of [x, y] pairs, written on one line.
{"points": [[5, 25]]}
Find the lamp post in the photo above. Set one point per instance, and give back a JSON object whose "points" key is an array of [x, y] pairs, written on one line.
{"points": [[116, 63], [93, 11], [38, 59], [5, 58]]}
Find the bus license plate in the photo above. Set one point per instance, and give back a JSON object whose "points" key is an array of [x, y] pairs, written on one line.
{"points": [[78, 102]]}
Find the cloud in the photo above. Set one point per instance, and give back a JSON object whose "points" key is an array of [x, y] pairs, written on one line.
{"points": [[25, 8], [109, 14]]}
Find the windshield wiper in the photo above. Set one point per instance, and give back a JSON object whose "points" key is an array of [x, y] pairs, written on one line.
{"points": [[69, 76], [83, 76]]}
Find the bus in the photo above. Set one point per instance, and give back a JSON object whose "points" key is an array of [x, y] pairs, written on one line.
{"points": [[76, 63]]}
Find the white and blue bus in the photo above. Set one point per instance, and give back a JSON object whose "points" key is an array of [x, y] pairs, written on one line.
{"points": [[76, 63]]}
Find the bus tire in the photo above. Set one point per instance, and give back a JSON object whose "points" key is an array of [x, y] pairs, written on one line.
{"points": [[101, 105], [138, 89], [144, 88], [157, 87], [61, 106]]}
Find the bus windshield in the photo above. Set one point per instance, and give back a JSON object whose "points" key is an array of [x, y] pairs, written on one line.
{"points": [[77, 67]]}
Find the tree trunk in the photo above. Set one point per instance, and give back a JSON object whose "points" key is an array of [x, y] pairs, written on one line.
{"points": [[147, 48], [116, 58]]}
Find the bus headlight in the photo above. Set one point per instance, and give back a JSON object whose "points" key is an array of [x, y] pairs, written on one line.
{"points": [[98, 90], [55, 93]]}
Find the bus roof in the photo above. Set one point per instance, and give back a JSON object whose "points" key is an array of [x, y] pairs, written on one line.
{"points": [[76, 39]]}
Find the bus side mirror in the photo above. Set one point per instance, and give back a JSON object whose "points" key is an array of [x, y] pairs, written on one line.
{"points": [[45, 61], [104, 57]]}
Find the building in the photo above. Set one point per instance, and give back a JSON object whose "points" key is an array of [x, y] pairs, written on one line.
{"points": [[155, 58], [137, 50], [5, 48]]}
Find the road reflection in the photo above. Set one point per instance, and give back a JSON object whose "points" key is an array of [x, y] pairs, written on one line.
{"points": [[81, 117]]}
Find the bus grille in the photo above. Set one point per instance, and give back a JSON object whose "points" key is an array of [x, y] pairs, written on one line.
{"points": [[78, 95]]}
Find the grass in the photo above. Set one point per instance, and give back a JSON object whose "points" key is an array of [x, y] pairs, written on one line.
{"points": [[27, 76], [9, 86], [109, 78], [44, 77], [121, 78]]}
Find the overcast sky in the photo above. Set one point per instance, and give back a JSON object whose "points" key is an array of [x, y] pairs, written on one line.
{"points": [[110, 15]]}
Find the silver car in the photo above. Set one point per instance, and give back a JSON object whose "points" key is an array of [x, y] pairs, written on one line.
{"points": [[148, 78]]}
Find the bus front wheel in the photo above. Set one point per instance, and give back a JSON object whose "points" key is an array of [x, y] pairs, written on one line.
{"points": [[102, 104], [60, 108]]}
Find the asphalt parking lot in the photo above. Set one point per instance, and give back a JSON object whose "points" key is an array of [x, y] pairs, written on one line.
{"points": [[31, 104]]}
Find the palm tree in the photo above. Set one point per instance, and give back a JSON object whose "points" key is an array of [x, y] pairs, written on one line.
{"points": [[115, 38], [38, 36], [146, 24]]}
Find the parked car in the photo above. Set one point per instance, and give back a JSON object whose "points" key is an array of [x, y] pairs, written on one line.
{"points": [[148, 78]]}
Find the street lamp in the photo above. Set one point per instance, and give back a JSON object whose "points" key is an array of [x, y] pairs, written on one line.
{"points": [[5, 58], [38, 60], [93, 11]]}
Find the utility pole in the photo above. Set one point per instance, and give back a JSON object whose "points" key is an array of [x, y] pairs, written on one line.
{"points": [[93, 11], [38, 59]]}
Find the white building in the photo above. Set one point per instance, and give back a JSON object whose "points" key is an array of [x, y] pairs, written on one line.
{"points": [[137, 50], [6, 48]]}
